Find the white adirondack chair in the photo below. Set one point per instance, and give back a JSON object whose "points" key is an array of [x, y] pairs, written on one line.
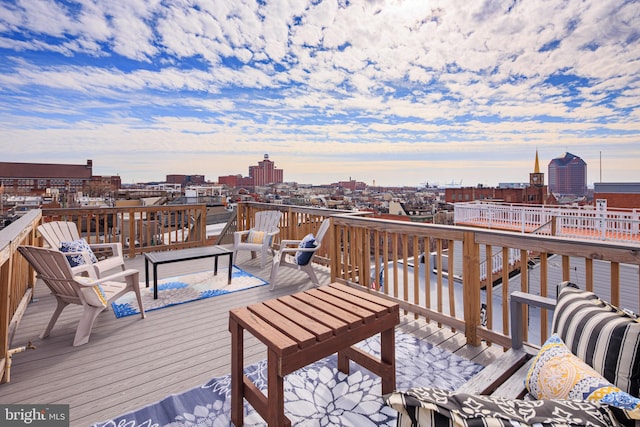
{"points": [[260, 237], [57, 232], [92, 293], [298, 254]]}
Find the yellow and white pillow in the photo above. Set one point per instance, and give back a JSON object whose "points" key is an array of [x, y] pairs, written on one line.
{"points": [[94, 295], [255, 236], [556, 373]]}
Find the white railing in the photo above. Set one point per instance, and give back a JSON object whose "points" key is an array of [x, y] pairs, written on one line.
{"points": [[583, 221], [496, 263], [598, 228]]}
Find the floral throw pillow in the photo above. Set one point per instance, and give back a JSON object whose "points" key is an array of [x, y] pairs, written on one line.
{"points": [[556, 373], [80, 249]]}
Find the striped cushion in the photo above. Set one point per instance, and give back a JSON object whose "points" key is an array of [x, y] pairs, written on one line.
{"points": [[600, 334], [255, 236]]}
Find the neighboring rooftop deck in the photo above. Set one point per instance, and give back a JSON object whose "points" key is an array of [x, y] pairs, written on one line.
{"points": [[129, 362], [585, 222]]}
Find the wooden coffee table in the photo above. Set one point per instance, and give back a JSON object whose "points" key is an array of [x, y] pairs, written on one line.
{"points": [[167, 257], [302, 328]]}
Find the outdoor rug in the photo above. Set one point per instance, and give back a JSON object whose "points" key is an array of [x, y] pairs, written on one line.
{"points": [[187, 288], [317, 395]]}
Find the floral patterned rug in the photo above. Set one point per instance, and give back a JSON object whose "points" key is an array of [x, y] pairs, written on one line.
{"points": [[317, 395], [187, 288]]}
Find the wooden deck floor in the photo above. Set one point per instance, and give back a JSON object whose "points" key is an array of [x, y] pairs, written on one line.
{"points": [[131, 362]]}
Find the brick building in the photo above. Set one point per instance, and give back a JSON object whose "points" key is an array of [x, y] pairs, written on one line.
{"points": [[624, 195], [34, 179], [535, 193], [235, 181], [352, 185], [185, 180], [264, 173]]}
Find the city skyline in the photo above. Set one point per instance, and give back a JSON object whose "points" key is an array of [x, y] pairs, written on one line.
{"points": [[386, 92]]}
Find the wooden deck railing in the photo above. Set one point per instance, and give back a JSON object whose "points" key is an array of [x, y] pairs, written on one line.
{"points": [[139, 229], [432, 270], [389, 256], [16, 283]]}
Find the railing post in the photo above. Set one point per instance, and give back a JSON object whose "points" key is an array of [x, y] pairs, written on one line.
{"points": [[471, 287], [132, 233], [5, 310]]}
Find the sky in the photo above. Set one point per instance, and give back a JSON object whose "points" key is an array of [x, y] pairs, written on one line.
{"points": [[384, 92]]}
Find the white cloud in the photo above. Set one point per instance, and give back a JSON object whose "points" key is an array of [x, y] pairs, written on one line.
{"points": [[396, 81]]}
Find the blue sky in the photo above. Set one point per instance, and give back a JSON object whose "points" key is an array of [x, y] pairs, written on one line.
{"points": [[391, 92]]}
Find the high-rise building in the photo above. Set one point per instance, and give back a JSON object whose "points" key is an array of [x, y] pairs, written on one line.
{"points": [[265, 173], [568, 175]]}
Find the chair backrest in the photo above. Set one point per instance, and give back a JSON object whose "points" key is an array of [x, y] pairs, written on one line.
{"points": [[313, 242], [267, 221], [53, 268], [56, 232], [322, 230]]}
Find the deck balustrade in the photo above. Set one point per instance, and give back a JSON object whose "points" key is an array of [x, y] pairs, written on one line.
{"points": [[138, 229], [434, 271], [585, 222]]}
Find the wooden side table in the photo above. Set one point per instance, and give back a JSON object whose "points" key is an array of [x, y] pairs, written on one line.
{"points": [[302, 328]]}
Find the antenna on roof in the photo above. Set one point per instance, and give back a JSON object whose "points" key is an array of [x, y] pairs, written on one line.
{"points": [[601, 166]]}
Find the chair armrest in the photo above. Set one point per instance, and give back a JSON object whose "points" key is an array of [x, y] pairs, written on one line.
{"points": [[85, 268], [290, 243], [238, 235], [302, 249], [110, 278], [116, 247], [74, 252], [517, 301]]}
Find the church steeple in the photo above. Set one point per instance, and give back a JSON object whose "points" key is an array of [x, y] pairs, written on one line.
{"points": [[536, 179]]}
